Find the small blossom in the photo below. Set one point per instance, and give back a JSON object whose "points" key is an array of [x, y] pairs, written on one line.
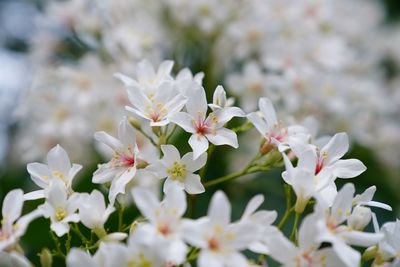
{"points": [[13, 226], [121, 169], [179, 171], [205, 128], [60, 208], [58, 168]]}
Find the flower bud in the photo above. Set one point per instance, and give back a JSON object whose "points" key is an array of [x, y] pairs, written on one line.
{"points": [[46, 259], [134, 122], [360, 217]]}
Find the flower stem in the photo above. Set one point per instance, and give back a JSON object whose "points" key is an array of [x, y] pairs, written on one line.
{"points": [[294, 229]]}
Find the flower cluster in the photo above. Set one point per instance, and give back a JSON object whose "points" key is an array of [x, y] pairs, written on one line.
{"points": [[309, 57], [162, 109]]}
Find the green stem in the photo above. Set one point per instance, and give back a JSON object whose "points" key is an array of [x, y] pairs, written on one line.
{"points": [[209, 154], [121, 217], [75, 228], [248, 170], [170, 134], [294, 229], [145, 134], [58, 247], [289, 210]]}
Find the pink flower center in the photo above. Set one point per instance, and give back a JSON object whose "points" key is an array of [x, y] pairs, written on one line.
{"points": [[124, 158], [213, 244], [202, 128]]}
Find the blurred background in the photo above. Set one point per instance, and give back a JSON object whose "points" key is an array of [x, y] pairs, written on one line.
{"points": [[333, 65]]}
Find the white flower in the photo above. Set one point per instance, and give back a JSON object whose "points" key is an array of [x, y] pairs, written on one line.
{"points": [[13, 226], [330, 227], [165, 219], [158, 107], [147, 78], [272, 130], [58, 168], [326, 164], [389, 246], [179, 171], [307, 252], [220, 101], [60, 208], [93, 213], [13, 259], [219, 240], [263, 219], [202, 128], [121, 169]]}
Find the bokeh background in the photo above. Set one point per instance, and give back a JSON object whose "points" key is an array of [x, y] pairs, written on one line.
{"points": [[337, 61]]}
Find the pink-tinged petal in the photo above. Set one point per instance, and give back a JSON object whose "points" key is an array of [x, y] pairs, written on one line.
{"points": [[175, 198], [194, 165], [336, 147], [268, 111], [258, 122], [126, 133], [210, 259], [108, 140], [146, 202], [253, 205], [38, 194], [349, 256], [12, 206], [171, 154], [342, 205], [58, 160], [193, 184], [183, 120], [199, 144], [219, 210], [79, 258], [223, 136], [40, 174], [126, 80], [119, 183], [348, 168]]}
